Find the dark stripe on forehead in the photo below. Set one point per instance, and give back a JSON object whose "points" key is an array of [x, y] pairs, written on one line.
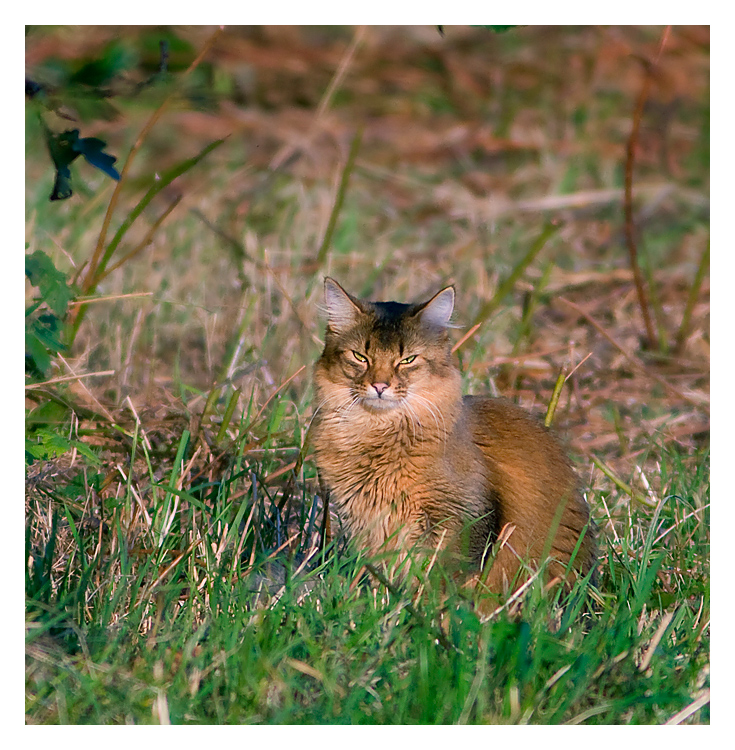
{"points": [[387, 328], [386, 334], [388, 310]]}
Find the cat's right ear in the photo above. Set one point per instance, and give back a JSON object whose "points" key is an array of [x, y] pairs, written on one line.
{"points": [[438, 310], [342, 311]]}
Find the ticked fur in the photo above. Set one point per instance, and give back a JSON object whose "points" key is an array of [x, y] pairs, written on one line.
{"points": [[409, 463]]}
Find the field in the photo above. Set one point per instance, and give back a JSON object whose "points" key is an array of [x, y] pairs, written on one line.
{"points": [[177, 569]]}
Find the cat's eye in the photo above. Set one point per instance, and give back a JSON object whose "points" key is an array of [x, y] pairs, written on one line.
{"points": [[408, 360], [359, 357]]}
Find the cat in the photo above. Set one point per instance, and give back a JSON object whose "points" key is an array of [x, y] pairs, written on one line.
{"points": [[411, 464]]}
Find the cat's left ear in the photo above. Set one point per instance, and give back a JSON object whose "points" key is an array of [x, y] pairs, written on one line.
{"points": [[342, 307], [438, 310]]}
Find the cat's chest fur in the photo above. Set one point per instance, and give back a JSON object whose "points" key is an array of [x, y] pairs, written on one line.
{"points": [[377, 462], [395, 484]]}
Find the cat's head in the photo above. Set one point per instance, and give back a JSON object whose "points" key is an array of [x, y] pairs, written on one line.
{"points": [[387, 356]]}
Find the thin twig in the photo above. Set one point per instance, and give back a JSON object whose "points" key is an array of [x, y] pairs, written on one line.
{"points": [[624, 486], [692, 300], [432, 562], [685, 713], [516, 595], [628, 205], [144, 243], [131, 406], [339, 199], [655, 640], [108, 298], [289, 151], [90, 278], [578, 365], [89, 393], [274, 394], [244, 534], [67, 378], [679, 522], [466, 336], [633, 360], [507, 285], [339, 74]]}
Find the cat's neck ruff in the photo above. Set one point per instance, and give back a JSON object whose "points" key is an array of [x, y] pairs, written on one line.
{"points": [[416, 420]]}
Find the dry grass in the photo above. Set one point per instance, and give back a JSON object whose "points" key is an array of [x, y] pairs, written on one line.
{"points": [[410, 225], [470, 144]]}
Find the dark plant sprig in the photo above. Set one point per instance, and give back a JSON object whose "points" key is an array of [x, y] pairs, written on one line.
{"points": [[64, 148], [92, 81]]}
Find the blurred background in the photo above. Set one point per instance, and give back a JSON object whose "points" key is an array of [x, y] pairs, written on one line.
{"points": [[398, 160]]}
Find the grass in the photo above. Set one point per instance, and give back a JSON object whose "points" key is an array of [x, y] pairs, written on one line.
{"points": [[207, 627], [174, 570]]}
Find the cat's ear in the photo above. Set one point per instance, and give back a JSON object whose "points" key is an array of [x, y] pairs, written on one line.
{"points": [[343, 313], [438, 310]]}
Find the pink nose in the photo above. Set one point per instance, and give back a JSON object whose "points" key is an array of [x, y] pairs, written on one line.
{"points": [[380, 388]]}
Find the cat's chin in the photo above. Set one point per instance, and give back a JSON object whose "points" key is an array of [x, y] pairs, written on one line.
{"points": [[373, 404]]}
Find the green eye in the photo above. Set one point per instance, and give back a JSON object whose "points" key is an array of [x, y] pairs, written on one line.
{"points": [[408, 360], [359, 357]]}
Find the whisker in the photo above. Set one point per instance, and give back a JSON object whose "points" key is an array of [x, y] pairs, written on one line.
{"points": [[410, 418], [338, 403], [433, 409], [413, 419]]}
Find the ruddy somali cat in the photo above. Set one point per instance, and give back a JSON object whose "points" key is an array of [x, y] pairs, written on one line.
{"points": [[411, 464]]}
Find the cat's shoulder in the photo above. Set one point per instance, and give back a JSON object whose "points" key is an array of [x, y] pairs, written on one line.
{"points": [[490, 409]]}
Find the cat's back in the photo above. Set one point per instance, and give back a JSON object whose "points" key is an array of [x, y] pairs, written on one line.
{"points": [[511, 434], [533, 478], [525, 458]]}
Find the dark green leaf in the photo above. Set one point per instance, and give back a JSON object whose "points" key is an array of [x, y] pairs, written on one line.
{"points": [[38, 360], [88, 453], [62, 185], [51, 282], [115, 59], [47, 328], [39, 266], [47, 444], [92, 150], [67, 146], [45, 414], [61, 148]]}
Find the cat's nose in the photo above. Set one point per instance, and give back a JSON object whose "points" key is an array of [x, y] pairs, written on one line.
{"points": [[380, 388]]}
